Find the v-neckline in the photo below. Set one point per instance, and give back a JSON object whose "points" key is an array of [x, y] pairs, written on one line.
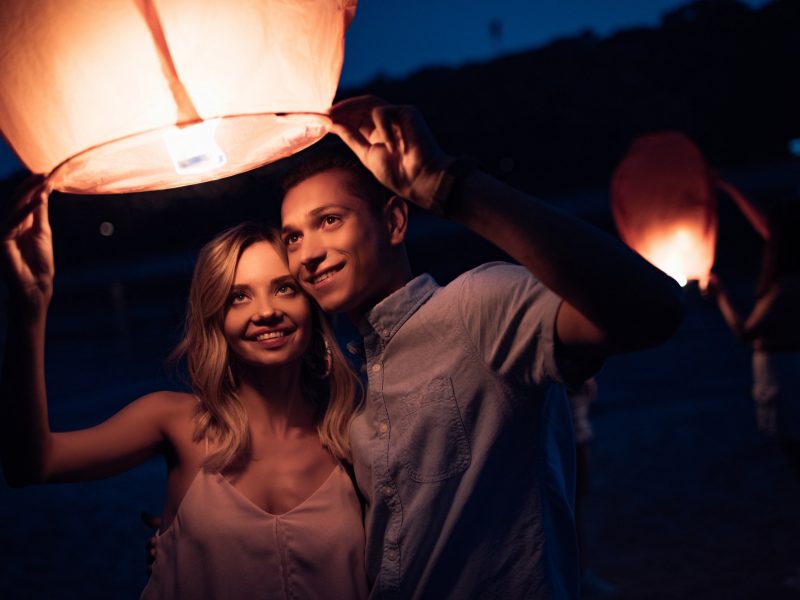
{"points": [[238, 493]]}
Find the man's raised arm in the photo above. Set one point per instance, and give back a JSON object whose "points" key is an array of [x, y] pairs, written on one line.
{"points": [[614, 301]]}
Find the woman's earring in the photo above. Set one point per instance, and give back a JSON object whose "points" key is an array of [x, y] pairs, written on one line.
{"points": [[328, 358]]}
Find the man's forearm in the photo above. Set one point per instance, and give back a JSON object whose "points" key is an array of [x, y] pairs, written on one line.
{"points": [[630, 300]]}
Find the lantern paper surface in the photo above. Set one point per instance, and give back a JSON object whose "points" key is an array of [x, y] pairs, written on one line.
{"points": [[129, 95], [664, 206]]}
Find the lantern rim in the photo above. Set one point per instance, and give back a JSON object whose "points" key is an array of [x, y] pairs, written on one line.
{"points": [[62, 179]]}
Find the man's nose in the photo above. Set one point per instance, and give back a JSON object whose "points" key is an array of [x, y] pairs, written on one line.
{"points": [[312, 253]]}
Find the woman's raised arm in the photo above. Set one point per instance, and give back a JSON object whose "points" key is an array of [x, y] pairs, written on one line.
{"points": [[30, 452]]}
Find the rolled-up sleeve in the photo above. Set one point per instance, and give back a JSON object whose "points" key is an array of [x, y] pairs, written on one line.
{"points": [[510, 317]]}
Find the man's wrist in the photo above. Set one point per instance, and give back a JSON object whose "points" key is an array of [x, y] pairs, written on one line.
{"points": [[447, 195]]}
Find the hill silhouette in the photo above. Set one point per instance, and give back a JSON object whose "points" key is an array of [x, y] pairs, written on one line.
{"points": [[560, 117]]}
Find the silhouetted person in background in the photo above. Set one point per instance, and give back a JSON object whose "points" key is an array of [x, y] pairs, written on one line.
{"points": [[772, 326]]}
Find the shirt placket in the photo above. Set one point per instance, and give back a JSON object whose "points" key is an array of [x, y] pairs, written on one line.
{"points": [[385, 487]]}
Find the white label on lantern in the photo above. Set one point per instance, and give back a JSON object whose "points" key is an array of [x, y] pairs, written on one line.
{"points": [[194, 149]]}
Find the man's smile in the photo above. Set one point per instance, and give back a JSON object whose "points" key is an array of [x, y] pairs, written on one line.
{"points": [[323, 277]]}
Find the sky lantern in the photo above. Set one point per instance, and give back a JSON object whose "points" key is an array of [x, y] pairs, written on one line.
{"points": [[114, 96], [664, 205]]}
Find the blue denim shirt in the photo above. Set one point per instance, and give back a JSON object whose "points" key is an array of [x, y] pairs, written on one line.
{"points": [[464, 450]]}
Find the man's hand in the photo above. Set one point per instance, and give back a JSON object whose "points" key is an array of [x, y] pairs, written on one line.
{"points": [[154, 523], [394, 143]]}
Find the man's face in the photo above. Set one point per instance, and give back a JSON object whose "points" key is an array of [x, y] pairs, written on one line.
{"points": [[336, 245]]}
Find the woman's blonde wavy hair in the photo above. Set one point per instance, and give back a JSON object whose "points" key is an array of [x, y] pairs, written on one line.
{"points": [[328, 382]]}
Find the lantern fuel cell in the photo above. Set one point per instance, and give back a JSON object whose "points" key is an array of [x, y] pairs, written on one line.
{"points": [[100, 95], [194, 149]]}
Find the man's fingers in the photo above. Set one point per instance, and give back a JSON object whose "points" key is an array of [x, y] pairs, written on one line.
{"points": [[384, 118], [356, 109], [354, 139]]}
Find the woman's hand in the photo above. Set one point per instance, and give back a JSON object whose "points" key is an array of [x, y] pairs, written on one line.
{"points": [[28, 246]]}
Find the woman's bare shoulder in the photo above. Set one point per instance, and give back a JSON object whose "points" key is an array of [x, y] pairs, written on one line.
{"points": [[169, 407]]}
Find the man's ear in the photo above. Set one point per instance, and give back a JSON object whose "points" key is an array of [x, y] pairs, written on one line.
{"points": [[395, 214]]}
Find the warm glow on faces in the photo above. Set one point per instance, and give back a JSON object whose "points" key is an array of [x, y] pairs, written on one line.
{"points": [[268, 319], [338, 249]]}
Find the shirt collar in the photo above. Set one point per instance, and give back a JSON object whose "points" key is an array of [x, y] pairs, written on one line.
{"points": [[388, 316]]}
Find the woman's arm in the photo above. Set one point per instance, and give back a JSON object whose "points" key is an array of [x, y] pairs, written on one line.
{"points": [[30, 452], [733, 318], [753, 214]]}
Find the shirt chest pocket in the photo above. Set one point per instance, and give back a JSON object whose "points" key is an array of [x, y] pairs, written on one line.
{"points": [[428, 434]]}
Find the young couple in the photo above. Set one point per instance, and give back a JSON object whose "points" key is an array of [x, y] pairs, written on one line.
{"points": [[461, 447]]}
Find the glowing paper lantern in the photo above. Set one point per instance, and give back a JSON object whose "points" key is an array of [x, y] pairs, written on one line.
{"points": [[664, 206], [129, 95]]}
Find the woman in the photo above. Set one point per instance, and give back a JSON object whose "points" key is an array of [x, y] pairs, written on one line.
{"points": [[258, 503], [773, 324]]}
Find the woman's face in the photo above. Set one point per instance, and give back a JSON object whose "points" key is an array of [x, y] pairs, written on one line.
{"points": [[268, 318]]}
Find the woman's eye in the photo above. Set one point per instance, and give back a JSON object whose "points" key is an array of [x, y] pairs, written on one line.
{"points": [[286, 290], [238, 297]]}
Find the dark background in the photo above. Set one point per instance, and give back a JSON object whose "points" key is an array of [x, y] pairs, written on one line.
{"points": [[688, 500]]}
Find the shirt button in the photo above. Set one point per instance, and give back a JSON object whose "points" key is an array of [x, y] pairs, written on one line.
{"points": [[376, 368], [383, 428], [386, 333], [391, 555], [388, 490]]}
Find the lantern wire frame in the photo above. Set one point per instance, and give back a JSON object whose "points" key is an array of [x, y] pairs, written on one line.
{"points": [[142, 161]]}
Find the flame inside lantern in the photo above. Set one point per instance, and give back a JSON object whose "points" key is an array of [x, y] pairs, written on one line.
{"points": [[680, 253], [664, 206]]}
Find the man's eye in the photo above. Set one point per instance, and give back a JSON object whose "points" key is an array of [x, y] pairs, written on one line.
{"points": [[330, 219], [291, 238]]}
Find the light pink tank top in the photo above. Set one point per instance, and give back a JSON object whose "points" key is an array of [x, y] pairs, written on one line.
{"points": [[221, 545]]}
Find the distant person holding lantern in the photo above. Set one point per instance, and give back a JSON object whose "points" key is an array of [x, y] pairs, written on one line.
{"points": [[464, 451], [773, 325]]}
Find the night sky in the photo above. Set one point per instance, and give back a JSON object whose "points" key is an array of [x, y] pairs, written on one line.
{"points": [[394, 38]]}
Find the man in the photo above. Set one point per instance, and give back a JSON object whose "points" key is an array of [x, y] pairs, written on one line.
{"points": [[464, 450]]}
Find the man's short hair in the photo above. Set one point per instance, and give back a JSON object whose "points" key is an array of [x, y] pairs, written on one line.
{"points": [[330, 154]]}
